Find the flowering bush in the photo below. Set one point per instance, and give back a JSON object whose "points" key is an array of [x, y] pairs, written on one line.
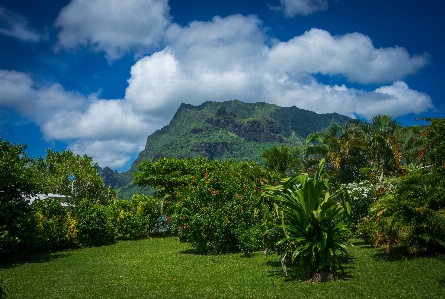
{"points": [[432, 138], [134, 218], [217, 210], [361, 195], [56, 228]]}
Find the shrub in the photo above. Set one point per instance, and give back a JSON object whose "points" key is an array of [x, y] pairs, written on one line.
{"points": [[135, 218], [215, 211], [360, 197], [367, 230], [414, 215], [19, 180], [93, 225], [309, 220], [56, 228]]}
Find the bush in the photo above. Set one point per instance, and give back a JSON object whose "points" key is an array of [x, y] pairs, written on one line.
{"points": [[19, 180], [360, 197], [367, 230], [93, 225], [309, 215], [215, 211], [56, 228], [414, 215], [135, 218]]}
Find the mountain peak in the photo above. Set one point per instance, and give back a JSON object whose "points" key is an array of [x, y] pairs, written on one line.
{"points": [[233, 129]]}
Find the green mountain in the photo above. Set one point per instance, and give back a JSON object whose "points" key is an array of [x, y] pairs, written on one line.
{"points": [[228, 130]]}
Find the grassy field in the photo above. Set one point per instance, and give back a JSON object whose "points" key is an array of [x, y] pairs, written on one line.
{"points": [[166, 268]]}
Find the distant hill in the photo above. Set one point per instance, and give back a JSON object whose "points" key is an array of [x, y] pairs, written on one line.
{"points": [[227, 130]]}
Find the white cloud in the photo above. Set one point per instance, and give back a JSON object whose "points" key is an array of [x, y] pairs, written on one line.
{"points": [[102, 120], [113, 26], [227, 58], [302, 7], [86, 123], [222, 43], [15, 89], [113, 153], [14, 25], [395, 100], [351, 55]]}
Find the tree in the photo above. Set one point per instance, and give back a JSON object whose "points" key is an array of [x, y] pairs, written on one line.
{"points": [[282, 160], [168, 174], [73, 175], [18, 183], [341, 147], [383, 143]]}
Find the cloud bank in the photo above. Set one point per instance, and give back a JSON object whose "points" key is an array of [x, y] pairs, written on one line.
{"points": [[218, 60]]}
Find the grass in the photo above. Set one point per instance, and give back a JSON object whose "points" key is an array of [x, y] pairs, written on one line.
{"points": [[166, 268]]}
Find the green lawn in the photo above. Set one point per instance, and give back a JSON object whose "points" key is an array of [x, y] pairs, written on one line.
{"points": [[166, 268]]}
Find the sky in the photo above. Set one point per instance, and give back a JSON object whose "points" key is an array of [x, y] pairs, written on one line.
{"points": [[99, 76]]}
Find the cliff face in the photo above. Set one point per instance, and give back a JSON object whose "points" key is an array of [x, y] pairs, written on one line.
{"points": [[251, 130], [233, 129]]}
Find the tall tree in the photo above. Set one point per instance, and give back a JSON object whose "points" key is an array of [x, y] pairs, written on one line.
{"points": [[73, 175], [340, 146], [383, 143], [18, 183]]}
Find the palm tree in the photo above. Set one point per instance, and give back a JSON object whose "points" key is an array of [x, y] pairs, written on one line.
{"points": [[383, 143], [339, 145], [283, 159]]}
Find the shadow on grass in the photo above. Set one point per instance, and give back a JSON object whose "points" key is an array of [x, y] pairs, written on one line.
{"points": [[294, 272], [396, 254], [10, 260], [191, 251], [362, 244], [441, 258]]}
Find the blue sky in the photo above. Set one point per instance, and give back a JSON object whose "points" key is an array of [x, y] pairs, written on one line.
{"points": [[99, 76]]}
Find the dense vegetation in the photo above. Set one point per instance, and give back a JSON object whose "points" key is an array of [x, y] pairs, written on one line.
{"points": [[375, 181]]}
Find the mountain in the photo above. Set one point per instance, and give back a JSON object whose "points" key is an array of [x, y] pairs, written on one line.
{"points": [[231, 129]]}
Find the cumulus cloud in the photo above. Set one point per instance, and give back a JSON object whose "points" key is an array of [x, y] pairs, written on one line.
{"points": [[396, 99], [14, 25], [227, 58], [114, 153], [205, 61], [302, 7], [163, 99], [113, 26], [351, 55], [85, 123]]}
